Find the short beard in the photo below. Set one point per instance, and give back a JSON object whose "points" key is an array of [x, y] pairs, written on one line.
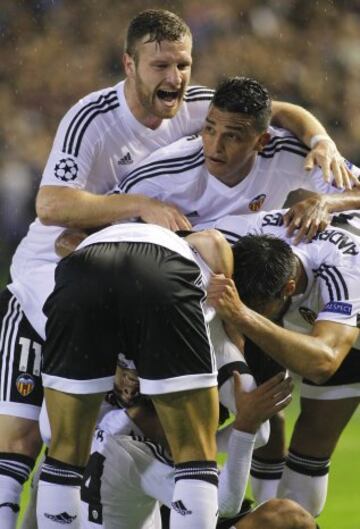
{"points": [[148, 100]]}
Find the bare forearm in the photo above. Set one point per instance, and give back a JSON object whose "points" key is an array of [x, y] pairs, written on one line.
{"points": [[72, 208], [304, 354], [296, 119], [343, 201]]}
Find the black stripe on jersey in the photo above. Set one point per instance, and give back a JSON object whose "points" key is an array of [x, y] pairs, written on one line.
{"points": [[171, 166], [198, 93], [104, 103], [87, 123], [342, 281], [229, 235], [226, 371], [334, 280], [337, 279], [157, 450], [9, 329], [159, 453], [193, 99], [275, 139], [160, 164], [271, 154], [326, 279], [285, 140], [196, 90]]}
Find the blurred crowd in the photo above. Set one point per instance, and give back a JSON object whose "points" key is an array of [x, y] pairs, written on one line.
{"points": [[52, 52]]}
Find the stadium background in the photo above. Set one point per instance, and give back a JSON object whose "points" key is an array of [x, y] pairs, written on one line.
{"points": [[54, 51]]}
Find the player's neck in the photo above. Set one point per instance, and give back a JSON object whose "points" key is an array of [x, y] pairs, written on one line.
{"points": [[301, 278], [232, 180]]}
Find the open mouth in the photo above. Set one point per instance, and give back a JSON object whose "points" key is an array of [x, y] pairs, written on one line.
{"points": [[167, 95]]}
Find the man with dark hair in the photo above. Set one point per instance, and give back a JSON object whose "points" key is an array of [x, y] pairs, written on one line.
{"points": [[97, 142], [244, 95], [316, 287], [276, 263], [239, 164]]}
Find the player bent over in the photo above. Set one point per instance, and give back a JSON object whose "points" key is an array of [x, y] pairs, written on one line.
{"points": [[127, 476], [315, 287], [136, 289]]}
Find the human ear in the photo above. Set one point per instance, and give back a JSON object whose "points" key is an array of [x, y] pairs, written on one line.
{"points": [[129, 65]]}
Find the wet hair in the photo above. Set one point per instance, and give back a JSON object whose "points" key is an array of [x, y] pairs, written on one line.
{"points": [[158, 24], [245, 96], [262, 266]]}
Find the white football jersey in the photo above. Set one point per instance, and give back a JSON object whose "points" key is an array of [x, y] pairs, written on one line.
{"points": [[331, 262], [177, 173], [97, 144]]}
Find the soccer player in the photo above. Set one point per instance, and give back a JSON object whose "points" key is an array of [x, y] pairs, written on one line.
{"points": [[96, 144], [111, 499], [316, 287], [239, 164], [137, 289]]}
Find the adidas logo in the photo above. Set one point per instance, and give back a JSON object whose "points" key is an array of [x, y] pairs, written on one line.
{"points": [[125, 160], [179, 507], [64, 518]]}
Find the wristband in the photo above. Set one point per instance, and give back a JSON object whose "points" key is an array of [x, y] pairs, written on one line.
{"points": [[314, 140]]}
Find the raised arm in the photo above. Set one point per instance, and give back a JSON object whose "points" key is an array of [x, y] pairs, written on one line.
{"points": [[324, 152], [316, 356]]}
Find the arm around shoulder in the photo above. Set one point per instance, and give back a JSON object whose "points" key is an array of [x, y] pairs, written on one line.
{"points": [[214, 249], [76, 208]]}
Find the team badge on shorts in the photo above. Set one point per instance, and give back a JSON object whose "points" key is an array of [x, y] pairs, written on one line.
{"points": [[66, 169], [308, 315], [257, 202], [25, 384]]}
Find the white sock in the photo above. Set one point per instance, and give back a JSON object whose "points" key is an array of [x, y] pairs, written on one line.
{"points": [[195, 498], [265, 478], [305, 480], [58, 503], [14, 471], [59, 495], [10, 491], [29, 518]]}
